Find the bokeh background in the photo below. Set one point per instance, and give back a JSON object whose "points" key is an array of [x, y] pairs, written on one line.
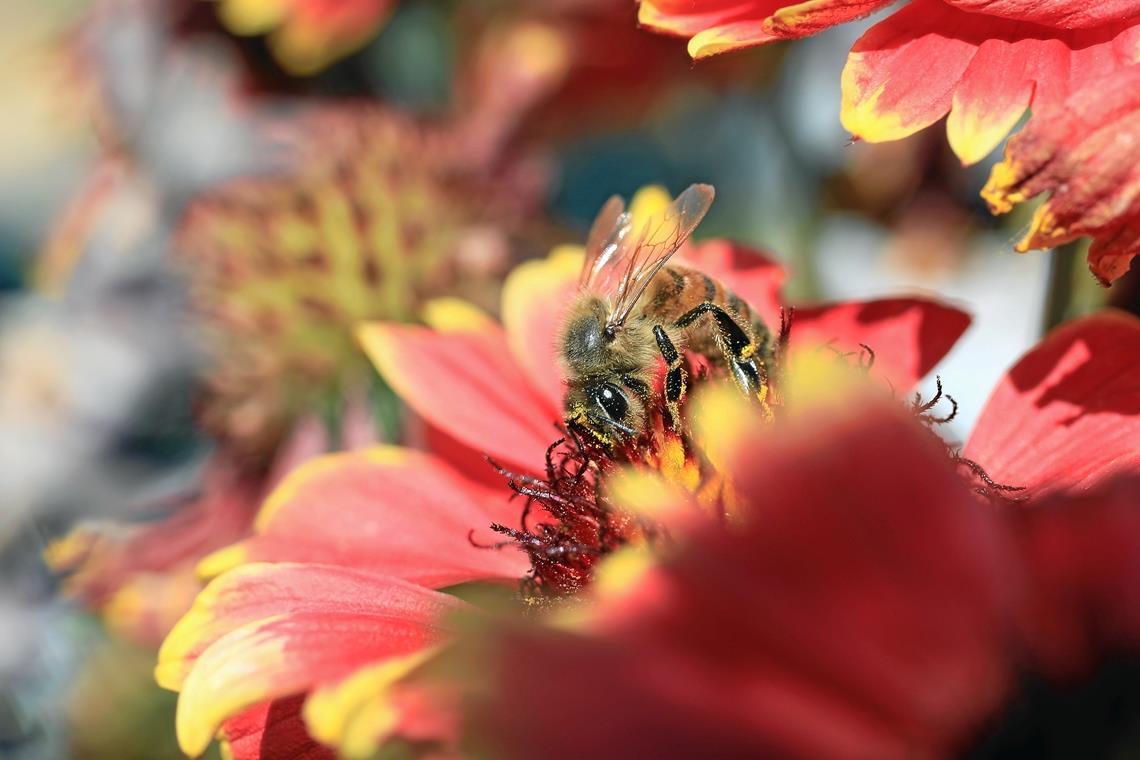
{"points": [[146, 148]]}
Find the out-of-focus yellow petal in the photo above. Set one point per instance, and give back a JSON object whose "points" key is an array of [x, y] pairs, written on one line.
{"points": [[356, 714], [247, 18], [649, 200], [535, 295], [646, 494], [622, 571], [226, 558], [722, 417], [455, 315], [817, 379]]}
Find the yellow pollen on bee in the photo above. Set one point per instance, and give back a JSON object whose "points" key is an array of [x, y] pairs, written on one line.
{"points": [[765, 407], [748, 351]]}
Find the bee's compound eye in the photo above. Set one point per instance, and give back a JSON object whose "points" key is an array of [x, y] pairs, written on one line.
{"points": [[611, 398]]}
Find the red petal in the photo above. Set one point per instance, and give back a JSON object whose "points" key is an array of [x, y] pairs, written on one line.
{"points": [[907, 71], [268, 631], [1068, 413], [386, 509], [469, 385], [908, 335], [750, 274], [859, 609], [994, 94], [273, 731], [535, 297], [1085, 154], [1064, 14], [1084, 558], [813, 16], [900, 75]]}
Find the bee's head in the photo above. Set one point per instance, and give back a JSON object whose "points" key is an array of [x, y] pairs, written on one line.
{"points": [[606, 409]]}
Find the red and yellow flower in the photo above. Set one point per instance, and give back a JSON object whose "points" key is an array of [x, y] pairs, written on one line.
{"points": [[982, 65], [313, 624], [863, 602], [1083, 152]]}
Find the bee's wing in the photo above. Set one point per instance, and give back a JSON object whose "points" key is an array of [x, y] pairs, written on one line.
{"points": [[602, 245], [637, 259]]}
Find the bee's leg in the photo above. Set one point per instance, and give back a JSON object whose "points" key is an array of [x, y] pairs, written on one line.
{"points": [[743, 353], [674, 375]]}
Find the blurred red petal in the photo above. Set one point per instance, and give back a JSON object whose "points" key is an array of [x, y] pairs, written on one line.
{"points": [[909, 336], [273, 731], [469, 385], [141, 574], [861, 608], [1067, 415], [749, 273], [386, 509], [685, 18], [1083, 555]]}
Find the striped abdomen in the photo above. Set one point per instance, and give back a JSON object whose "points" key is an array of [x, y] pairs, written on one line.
{"points": [[676, 290]]}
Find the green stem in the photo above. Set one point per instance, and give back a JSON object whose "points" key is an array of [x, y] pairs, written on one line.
{"points": [[1063, 263]]}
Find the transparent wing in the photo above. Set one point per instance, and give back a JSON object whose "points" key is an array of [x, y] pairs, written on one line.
{"points": [[637, 258], [610, 226]]}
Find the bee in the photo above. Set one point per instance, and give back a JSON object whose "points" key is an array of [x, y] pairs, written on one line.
{"points": [[633, 307]]}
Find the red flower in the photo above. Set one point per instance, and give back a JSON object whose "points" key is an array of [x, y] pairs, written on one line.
{"points": [[865, 603], [1084, 153], [357, 541]]}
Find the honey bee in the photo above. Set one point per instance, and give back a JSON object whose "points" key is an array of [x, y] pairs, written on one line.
{"points": [[633, 307]]}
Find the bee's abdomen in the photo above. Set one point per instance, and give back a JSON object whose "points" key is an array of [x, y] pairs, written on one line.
{"points": [[678, 290]]}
